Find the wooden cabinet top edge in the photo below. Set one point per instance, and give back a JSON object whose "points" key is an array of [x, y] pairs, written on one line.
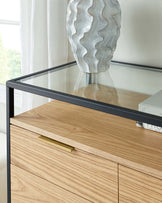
{"points": [[111, 137]]}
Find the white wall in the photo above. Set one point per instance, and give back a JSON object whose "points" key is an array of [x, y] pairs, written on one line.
{"points": [[141, 32]]}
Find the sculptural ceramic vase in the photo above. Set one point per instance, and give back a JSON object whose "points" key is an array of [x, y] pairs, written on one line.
{"points": [[93, 28]]}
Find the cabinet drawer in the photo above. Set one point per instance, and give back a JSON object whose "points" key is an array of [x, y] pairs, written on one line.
{"points": [[137, 187], [84, 174], [27, 188]]}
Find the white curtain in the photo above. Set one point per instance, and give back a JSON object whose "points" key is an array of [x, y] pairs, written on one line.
{"points": [[43, 38]]}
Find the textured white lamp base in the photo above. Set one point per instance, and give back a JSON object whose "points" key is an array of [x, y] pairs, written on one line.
{"points": [[93, 28]]}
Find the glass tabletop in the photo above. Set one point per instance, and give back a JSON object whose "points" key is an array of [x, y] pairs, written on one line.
{"points": [[127, 86]]}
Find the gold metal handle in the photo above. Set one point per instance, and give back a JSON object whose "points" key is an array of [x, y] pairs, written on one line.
{"points": [[56, 143]]}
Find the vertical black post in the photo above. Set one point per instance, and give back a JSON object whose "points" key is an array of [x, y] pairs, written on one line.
{"points": [[91, 78], [9, 114]]}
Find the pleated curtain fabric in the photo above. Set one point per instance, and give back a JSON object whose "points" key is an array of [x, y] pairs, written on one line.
{"points": [[44, 40]]}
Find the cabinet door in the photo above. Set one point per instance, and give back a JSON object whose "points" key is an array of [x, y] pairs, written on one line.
{"points": [[27, 188], [84, 174], [137, 187]]}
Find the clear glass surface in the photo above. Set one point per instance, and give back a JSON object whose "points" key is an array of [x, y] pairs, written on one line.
{"points": [[126, 86]]}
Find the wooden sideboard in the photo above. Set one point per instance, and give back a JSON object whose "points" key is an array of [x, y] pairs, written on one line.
{"points": [[61, 152]]}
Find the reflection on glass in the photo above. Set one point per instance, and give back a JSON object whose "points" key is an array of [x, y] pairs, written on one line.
{"points": [[88, 86]]}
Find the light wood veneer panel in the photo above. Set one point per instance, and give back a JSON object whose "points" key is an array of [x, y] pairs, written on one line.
{"points": [[137, 187], [84, 174], [106, 135], [27, 188]]}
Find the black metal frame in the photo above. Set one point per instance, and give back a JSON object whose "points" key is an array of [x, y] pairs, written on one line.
{"points": [[9, 114], [108, 108]]}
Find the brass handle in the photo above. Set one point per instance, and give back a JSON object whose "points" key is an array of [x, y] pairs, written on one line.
{"points": [[56, 143]]}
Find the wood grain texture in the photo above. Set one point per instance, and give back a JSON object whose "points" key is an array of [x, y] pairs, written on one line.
{"points": [[111, 137], [27, 188], [110, 95], [137, 187], [84, 174]]}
